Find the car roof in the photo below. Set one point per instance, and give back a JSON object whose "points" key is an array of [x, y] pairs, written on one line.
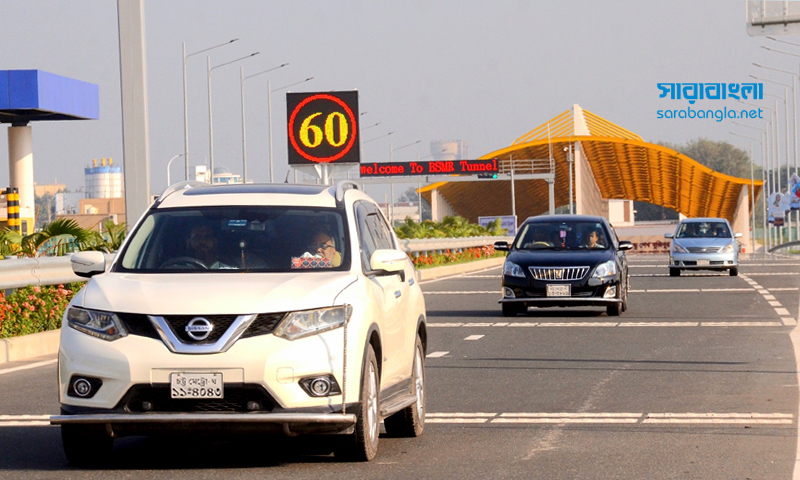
{"points": [[566, 218], [704, 220], [194, 194]]}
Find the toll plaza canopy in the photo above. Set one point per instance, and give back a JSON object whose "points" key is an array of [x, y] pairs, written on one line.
{"points": [[610, 162]]}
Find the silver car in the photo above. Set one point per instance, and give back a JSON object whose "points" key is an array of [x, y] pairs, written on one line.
{"points": [[704, 244]]}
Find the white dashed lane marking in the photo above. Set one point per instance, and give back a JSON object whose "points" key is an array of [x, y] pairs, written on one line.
{"points": [[668, 418], [699, 323], [436, 354], [474, 337], [29, 366]]}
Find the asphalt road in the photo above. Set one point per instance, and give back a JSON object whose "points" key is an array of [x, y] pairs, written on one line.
{"points": [[697, 380]]}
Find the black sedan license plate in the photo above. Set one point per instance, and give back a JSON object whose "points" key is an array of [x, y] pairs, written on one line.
{"points": [[558, 291], [196, 385]]}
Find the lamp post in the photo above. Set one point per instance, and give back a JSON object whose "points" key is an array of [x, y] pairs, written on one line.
{"points": [[269, 111], [210, 117], [169, 163], [752, 185], [244, 132], [767, 160], [186, 100]]}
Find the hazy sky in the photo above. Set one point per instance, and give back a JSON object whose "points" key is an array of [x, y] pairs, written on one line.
{"points": [[478, 71]]}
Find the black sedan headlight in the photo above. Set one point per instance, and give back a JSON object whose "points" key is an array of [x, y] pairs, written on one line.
{"points": [[606, 269]]}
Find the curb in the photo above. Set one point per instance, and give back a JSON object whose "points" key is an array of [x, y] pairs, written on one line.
{"points": [[449, 270], [46, 343], [29, 346]]}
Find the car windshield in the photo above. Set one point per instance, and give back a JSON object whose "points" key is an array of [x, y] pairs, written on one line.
{"points": [[230, 239], [703, 230], [569, 235]]}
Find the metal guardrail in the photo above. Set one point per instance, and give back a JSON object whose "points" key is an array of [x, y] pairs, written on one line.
{"points": [[21, 272]]}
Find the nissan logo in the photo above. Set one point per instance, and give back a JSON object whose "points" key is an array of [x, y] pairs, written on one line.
{"points": [[199, 328]]}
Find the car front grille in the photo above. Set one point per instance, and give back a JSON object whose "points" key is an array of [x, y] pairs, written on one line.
{"points": [[704, 249], [140, 325], [558, 273], [156, 398]]}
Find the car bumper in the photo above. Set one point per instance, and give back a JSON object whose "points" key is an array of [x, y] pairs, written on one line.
{"points": [[136, 368], [592, 292], [692, 261], [150, 423]]}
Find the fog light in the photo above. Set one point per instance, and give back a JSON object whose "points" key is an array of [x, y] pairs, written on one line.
{"points": [[252, 405], [147, 406], [508, 293], [82, 387], [320, 386], [611, 292]]}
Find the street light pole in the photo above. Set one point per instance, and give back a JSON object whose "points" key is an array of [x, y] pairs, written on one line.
{"points": [[244, 134], [186, 100], [752, 184], [269, 110], [169, 163], [210, 117]]}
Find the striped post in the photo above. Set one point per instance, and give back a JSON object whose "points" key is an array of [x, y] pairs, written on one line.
{"points": [[12, 202]]}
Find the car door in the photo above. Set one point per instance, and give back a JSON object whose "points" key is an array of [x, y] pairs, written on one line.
{"points": [[391, 293]]}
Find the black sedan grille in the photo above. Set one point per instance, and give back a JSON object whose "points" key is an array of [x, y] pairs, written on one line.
{"points": [[558, 273]]}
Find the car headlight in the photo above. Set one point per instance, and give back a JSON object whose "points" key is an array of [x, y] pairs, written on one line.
{"points": [[311, 322], [727, 248], [513, 270], [606, 269], [678, 249], [105, 325]]}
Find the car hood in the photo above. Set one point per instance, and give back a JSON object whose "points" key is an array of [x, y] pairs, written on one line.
{"points": [[703, 242], [560, 258], [234, 293]]}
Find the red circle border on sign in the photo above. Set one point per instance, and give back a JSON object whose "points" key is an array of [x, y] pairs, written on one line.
{"points": [[341, 103]]}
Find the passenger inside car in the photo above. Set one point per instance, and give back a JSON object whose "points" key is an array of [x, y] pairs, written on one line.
{"points": [[594, 239]]}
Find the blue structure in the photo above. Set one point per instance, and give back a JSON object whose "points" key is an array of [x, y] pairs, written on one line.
{"points": [[35, 95]]}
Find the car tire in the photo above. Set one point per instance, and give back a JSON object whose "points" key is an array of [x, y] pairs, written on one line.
{"points": [[362, 444], [513, 309], [625, 296], [86, 446], [674, 272], [734, 272], [410, 421], [614, 310]]}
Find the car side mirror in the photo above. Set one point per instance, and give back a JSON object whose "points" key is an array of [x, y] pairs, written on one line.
{"points": [[668, 235], [625, 245], [388, 262], [87, 264], [737, 235], [501, 246]]}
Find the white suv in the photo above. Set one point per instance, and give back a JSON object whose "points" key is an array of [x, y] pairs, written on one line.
{"points": [[246, 308]]}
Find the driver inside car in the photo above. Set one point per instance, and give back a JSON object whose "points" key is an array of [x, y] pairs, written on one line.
{"points": [[202, 244]]}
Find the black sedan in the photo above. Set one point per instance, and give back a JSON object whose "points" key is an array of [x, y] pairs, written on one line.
{"points": [[564, 261]]}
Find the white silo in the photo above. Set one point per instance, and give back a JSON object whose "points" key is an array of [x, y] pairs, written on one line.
{"points": [[103, 181]]}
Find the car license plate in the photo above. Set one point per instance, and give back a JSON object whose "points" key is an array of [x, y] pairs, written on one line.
{"points": [[703, 262], [195, 385], [558, 291]]}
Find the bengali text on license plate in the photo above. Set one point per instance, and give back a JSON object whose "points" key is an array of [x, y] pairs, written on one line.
{"points": [[195, 385], [558, 291]]}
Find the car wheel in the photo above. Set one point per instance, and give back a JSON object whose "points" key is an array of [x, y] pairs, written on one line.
{"points": [[86, 446], [734, 271], [362, 445], [410, 421], [625, 296], [614, 310], [674, 272], [513, 309]]}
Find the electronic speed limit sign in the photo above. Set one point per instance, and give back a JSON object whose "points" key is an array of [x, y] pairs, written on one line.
{"points": [[323, 127]]}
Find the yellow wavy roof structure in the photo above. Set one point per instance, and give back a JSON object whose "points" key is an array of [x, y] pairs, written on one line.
{"points": [[623, 165]]}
